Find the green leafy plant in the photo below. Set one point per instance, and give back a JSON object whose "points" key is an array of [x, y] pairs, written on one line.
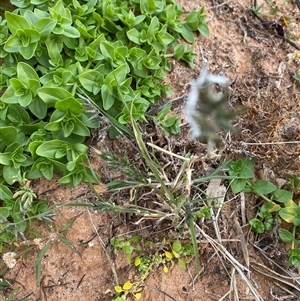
{"points": [[146, 256], [113, 53], [278, 204], [169, 123], [18, 209]]}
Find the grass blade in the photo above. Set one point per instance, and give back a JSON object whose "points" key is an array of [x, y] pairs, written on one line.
{"points": [[38, 263], [150, 164]]}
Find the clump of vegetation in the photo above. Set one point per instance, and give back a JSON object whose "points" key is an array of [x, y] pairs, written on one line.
{"points": [[64, 62], [113, 52], [18, 210], [147, 256], [280, 206], [182, 202]]}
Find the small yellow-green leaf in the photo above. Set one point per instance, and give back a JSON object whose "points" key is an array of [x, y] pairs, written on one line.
{"points": [[137, 261], [138, 296], [181, 264], [168, 254], [127, 286], [166, 270], [176, 246], [176, 255], [118, 289], [290, 203]]}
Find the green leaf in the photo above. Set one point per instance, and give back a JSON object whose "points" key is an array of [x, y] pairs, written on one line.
{"points": [[69, 244], [257, 226], [152, 28], [21, 3], [107, 98], [72, 179], [176, 246], [296, 76], [46, 170], [134, 36], [71, 32], [242, 168], [238, 185], [285, 235], [23, 41], [164, 111], [8, 134], [107, 50], [25, 100], [169, 121], [52, 149], [69, 104], [5, 158], [9, 96], [204, 29], [282, 195], [291, 215], [15, 22], [164, 37], [54, 45], [26, 72], [192, 20], [68, 127], [45, 26], [5, 193], [92, 81], [28, 52], [187, 34], [38, 108], [181, 264], [151, 61], [294, 257], [50, 95], [10, 173], [263, 187], [38, 263], [147, 6]]}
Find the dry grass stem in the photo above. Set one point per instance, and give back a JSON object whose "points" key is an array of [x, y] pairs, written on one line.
{"points": [[235, 264], [168, 152], [271, 274], [241, 235]]}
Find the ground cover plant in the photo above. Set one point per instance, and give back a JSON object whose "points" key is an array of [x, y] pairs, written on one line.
{"points": [[116, 53]]}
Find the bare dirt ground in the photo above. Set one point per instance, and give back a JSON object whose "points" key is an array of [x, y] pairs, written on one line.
{"points": [[260, 67]]}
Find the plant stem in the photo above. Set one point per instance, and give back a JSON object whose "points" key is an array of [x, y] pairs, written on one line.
{"points": [[261, 195], [190, 220], [74, 89], [294, 235]]}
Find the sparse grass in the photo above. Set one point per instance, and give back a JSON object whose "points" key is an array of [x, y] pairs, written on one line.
{"points": [[183, 203]]}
